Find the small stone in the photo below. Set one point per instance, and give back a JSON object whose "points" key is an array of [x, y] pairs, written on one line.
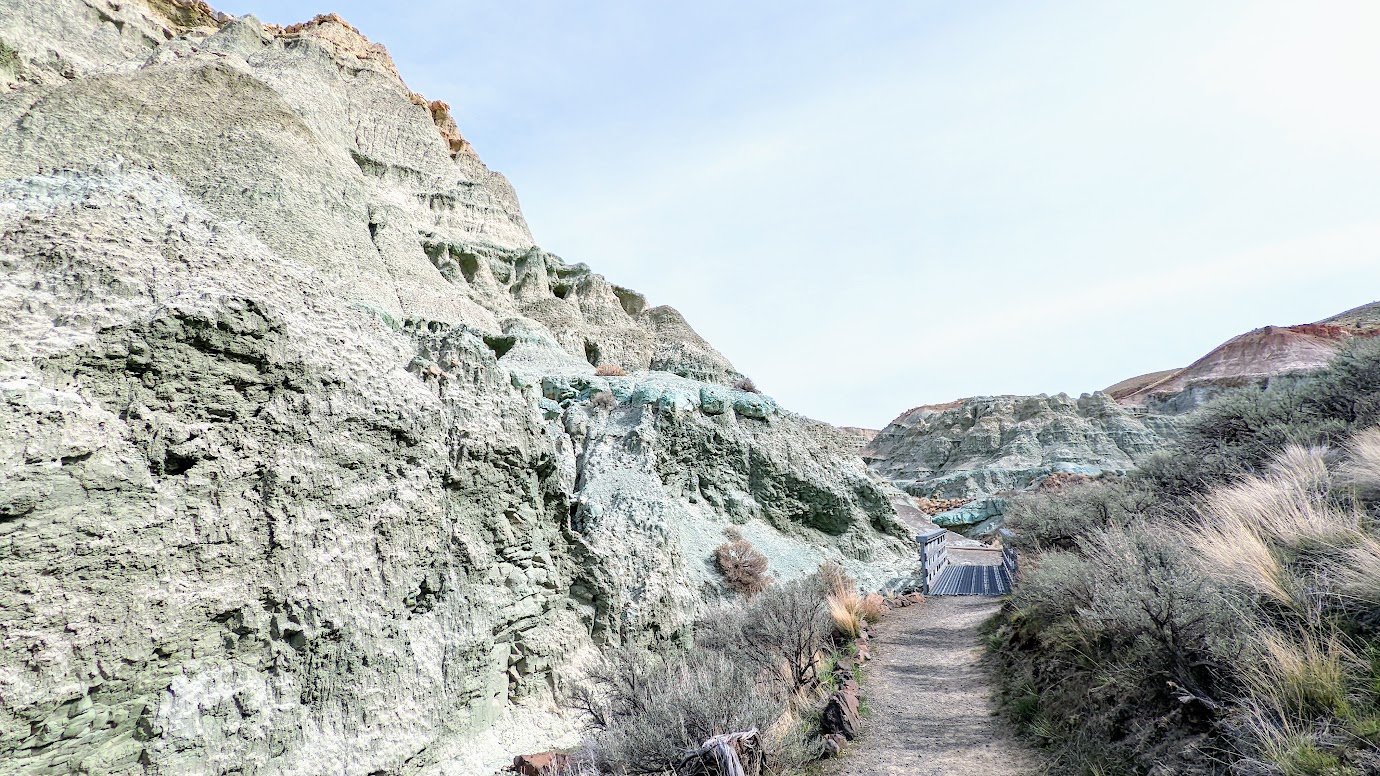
{"points": [[834, 744]]}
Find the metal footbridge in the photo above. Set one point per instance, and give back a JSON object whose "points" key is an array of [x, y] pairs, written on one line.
{"points": [[945, 577]]}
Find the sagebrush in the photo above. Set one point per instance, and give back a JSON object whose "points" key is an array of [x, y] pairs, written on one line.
{"points": [[1220, 612], [757, 663]]}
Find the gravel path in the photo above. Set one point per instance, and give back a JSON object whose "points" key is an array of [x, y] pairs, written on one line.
{"points": [[931, 711]]}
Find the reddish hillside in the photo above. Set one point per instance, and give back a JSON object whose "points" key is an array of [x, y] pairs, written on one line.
{"points": [[1253, 356]]}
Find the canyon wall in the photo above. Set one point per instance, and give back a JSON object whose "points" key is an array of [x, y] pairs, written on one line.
{"points": [[305, 466]]}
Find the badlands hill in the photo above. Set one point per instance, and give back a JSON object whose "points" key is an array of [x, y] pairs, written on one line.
{"points": [[979, 447], [305, 465], [973, 449], [1249, 358]]}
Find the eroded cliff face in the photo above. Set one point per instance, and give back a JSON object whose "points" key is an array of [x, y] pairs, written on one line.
{"points": [[989, 445], [304, 465]]}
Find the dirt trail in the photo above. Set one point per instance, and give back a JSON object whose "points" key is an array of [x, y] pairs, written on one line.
{"points": [[931, 712]]}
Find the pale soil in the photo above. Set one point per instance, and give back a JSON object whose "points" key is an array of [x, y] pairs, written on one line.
{"points": [[930, 702], [963, 557]]}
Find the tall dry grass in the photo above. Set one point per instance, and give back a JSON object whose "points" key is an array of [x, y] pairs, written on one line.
{"points": [[844, 610], [1296, 535], [1362, 470], [1301, 675], [1358, 574], [1251, 531]]}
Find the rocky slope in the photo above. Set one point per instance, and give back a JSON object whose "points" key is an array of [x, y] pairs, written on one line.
{"points": [[974, 449], [304, 465], [957, 458], [1252, 357]]}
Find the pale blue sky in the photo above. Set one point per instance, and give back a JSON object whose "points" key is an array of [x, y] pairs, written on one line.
{"points": [[877, 205]]}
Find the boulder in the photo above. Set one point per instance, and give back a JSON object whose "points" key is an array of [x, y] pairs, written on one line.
{"points": [[841, 713]]}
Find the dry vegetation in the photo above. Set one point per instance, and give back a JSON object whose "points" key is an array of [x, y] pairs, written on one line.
{"points": [[743, 567], [745, 384], [934, 505], [610, 370], [1221, 613], [759, 663]]}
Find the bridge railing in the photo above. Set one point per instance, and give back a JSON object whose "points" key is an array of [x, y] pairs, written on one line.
{"points": [[934, 555], [1011, 561]]}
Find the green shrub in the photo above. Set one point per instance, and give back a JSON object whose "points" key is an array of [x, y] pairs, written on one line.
{"points": [[779, 632], [1241, 630], [9, 59], [755, 662], [1043, 521]]}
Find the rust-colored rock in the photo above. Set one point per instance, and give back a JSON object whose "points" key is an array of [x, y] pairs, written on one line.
{"points": [[933, 506], [1248, 358], [445, 123], [189, 14], [841, 713], [540, 764]]}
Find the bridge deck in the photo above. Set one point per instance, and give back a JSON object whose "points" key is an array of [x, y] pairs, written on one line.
{"points": [[973, 580]]}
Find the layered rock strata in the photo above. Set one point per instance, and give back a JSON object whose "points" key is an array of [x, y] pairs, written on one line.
{"points": [[305, 466], [975, 448]]}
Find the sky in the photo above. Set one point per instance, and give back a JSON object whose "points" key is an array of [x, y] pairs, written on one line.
{"points": [[872, 206]]}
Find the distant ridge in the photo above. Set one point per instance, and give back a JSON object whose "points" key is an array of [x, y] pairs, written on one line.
{"points": [[1256, 355]]}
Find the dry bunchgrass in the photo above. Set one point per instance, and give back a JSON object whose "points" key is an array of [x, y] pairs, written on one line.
{"points": [[1301, 675], [835, 579], [1362, 471], [1250, 530], [1291, 747], [1358, 575], [1232, 550], [872, 607], [610, 370], [850, 609], [845, 610], [743, 567], [1301, 467]]}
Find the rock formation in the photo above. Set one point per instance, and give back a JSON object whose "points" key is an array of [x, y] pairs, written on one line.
{"points": [[963, 453], [957, 458], [1252, 357], [305, 467]]}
